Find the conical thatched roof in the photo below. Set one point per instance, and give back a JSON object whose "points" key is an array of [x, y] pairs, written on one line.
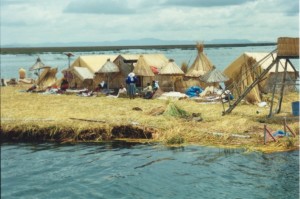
{"points": [[109, 67], [142, 68], [171, 69], [201, 64], [214, 76], [38, 65]]}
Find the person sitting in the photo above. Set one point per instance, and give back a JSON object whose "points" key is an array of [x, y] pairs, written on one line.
{"points": [[155, 85], [226, 96], [148, 91], [122, 89], [64, 85]]}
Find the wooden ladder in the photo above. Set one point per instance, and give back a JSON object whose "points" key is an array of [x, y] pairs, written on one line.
{"points": [[254, 83]]}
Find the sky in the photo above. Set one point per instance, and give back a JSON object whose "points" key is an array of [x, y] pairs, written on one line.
{"points": [[64, 21]]}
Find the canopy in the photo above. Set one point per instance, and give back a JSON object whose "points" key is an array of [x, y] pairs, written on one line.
{"points": [[38, 65]]}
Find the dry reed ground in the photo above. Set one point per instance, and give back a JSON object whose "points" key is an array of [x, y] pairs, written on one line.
{"points": [[31, 116]]}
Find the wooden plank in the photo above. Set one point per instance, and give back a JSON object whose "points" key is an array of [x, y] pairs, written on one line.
{"points": [[282, 88], [274, 89]]}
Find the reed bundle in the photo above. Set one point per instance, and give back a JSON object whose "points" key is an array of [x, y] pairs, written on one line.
{"points": [[288, 47]]}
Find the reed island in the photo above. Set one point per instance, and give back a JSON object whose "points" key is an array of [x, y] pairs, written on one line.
{"points": [[37, 117]]}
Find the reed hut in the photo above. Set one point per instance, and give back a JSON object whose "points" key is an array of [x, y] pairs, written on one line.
{"points": [[141, 70], [173, 71], [200, 66], [242, 73], [107, 69], [94, 63], [79, 77], [214, 77]]}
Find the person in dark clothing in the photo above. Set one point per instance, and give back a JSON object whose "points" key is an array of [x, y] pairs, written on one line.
{"points": [[64, 85], [131, 83]]}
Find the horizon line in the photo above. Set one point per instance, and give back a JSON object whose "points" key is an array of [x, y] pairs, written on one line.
{"points": [[22, 49]]}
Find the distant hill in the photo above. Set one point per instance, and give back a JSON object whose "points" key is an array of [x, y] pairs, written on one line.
{"points": [[137, 42]]}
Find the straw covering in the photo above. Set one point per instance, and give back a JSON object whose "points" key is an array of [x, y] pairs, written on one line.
{"points": [[171, 69], [142, 68], [241, 72], [47, 78], [288, 47], [214, 76], [201, 64], [83, 73], [109, 67]]}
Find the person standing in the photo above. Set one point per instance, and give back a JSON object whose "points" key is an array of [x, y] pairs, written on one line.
{"points": [[131, 82]]}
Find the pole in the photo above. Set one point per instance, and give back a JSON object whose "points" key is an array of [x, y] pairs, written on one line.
{"points": [[265, 134], [282, 87], [274, 89]]}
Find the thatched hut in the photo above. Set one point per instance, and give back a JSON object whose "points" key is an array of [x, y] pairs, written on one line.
{"points": [[200, 66], [94, 63], [79, 77], [142, 69], [242, 73], [107, 69], [214, 77], [173, 71]]}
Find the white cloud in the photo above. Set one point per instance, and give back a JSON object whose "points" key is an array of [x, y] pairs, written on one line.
{"points": [[35, 21]]}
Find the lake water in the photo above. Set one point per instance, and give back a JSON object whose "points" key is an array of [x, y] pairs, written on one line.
{"points": [[221, 57], [115, 170], [119, 170]]}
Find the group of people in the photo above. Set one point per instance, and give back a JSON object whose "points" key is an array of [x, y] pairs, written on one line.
{"points": [[147, 92]]}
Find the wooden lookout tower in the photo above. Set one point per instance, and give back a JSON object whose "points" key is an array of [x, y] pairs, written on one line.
{"points": [[287, 48]]}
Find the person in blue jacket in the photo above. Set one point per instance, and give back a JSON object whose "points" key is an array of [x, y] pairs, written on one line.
{"points": [[131, 81]]}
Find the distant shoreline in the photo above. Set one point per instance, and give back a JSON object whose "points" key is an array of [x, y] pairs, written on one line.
{"points": [[32, 50]]}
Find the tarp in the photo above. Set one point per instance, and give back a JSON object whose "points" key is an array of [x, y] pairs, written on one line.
{"points": [[193, 91], [154, 70]]}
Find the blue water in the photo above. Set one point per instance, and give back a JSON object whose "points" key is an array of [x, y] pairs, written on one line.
{"points": [[116, 170], [220, 57]]}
